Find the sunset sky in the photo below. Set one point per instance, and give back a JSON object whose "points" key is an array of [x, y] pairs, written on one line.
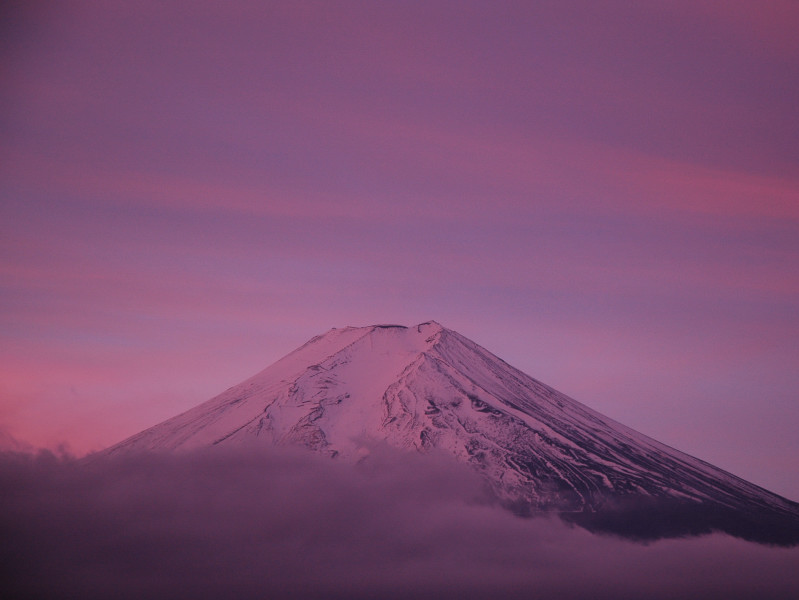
{"points": [[604, 194]]}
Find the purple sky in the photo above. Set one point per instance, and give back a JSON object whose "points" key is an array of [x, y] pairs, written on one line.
{"points": [[604, 194]]}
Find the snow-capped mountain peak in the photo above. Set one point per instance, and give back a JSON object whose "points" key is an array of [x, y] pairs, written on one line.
{"points": [[426, 387]]}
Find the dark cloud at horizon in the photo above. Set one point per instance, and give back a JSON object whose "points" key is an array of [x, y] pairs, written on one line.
{"points": [[288, 524]]}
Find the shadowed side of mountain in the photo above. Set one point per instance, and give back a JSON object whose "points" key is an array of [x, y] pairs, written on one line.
{"points": [[648, 518]]}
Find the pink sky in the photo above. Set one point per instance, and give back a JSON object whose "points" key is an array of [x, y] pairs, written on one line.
{"points": [[604, 194]]}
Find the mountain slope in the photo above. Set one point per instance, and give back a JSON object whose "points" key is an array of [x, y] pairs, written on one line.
{"points": [[427, 387]]}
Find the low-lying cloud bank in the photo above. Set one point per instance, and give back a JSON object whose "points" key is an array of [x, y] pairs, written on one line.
{"points": [[285, 524]]}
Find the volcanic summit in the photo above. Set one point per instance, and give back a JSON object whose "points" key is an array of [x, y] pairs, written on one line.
{"points": [[429, 388]]}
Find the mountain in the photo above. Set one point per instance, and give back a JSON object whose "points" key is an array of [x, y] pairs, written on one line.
{"points": [[427, 387]]}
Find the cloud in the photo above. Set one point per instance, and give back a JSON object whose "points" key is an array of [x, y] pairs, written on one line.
{"points": [[285, 524], [9, 443]]}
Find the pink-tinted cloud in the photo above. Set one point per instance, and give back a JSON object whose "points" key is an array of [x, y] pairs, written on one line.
{"points": [[301, 526]]}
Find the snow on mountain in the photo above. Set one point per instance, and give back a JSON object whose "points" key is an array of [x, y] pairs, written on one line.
{"points": [[427, 387]]}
